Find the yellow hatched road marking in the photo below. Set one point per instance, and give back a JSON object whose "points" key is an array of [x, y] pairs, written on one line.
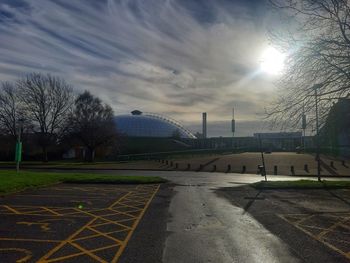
{"points": [[103, 234], [112, 222], [11, 209], [120, 251], [80, 253], [144, 198], [320, 239], [87, 252], [43, 259], [96, 235], [323, 233]]}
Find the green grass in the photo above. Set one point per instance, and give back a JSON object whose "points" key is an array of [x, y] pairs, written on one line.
{"points": [[54, 163], [301, 184], [10, 181]]}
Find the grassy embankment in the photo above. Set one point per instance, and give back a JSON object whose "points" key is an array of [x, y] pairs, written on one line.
{"points": [[10, 181], [301, 184]]}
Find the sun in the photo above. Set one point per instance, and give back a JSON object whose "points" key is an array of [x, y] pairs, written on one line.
{"points": [[272, 61]]}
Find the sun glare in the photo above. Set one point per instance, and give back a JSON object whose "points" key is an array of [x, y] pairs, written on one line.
{"points": [[272, 61]]}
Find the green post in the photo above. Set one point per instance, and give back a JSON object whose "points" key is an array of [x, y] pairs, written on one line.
{"points": [[18, 156]]}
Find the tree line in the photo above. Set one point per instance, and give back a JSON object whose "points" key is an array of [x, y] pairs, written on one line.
{"points": [[47, 106]]}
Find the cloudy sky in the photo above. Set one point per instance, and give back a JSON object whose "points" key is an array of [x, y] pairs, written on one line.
{"points": [[176, 57]]}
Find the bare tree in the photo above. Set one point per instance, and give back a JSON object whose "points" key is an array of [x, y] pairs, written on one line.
{"points": [[92, 123], [317, 41], [47, 101], [10, 109]]}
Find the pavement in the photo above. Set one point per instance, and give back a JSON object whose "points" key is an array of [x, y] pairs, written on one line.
{"points": [[197, 217]]}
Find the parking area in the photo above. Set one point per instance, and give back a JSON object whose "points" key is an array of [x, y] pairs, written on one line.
{"points": [[331, 229], [315, 224], [71, 223]]}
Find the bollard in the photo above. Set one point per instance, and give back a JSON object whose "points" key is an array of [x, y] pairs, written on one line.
{"points": [[188, 166], [332, 164], [166, 162], [306, 168], [228, 168], [176, 166], [214, 167], [200, 167], [292, 170], [244, 169], [275, 170]]}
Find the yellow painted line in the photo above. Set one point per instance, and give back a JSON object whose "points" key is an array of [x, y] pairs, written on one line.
{"points": [[47, 255], [96, 235], [87, 252], [133, 207], [126, 197], [43, 226], [79, 254], [37, 212], [108, 221], [304, 219], [12, 209], [29, 240], [125, 213], [120, 251], [59, 196], [128, 211], [105, 235], [71, 237], [51, 211], [50, 216], [116, 202], [347, 255], [112, 222], [326, 231]]}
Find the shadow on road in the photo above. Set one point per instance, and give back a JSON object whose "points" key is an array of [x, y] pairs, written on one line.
{"points": [[295, 216], [251, 202]]}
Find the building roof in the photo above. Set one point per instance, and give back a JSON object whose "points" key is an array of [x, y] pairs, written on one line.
{"points": [[140, 124]]}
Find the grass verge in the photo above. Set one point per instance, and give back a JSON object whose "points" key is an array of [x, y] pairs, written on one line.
{"points": [[10, 181], [301, 184]]}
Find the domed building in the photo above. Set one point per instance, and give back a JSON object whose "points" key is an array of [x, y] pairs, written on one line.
{"points": [[140, 124]]}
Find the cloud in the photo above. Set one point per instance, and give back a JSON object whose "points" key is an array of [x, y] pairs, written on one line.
{"points": [[179, 58]]}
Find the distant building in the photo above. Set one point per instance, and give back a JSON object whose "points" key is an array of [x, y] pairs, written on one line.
{"points": [[140, 124], [335, 134], [278, 135]]}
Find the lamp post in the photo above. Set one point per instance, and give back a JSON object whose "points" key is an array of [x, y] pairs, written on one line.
{"points": [[263, 168], [316, 87]]}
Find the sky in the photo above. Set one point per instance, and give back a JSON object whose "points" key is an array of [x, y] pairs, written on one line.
{"points": [[173, 57]]}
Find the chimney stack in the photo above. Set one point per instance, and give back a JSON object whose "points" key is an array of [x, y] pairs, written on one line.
{"points": [[233, 123], [204, 124]]}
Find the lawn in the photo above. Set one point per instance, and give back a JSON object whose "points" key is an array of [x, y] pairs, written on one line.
{"points": [[10, 181], [301, 184]]}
